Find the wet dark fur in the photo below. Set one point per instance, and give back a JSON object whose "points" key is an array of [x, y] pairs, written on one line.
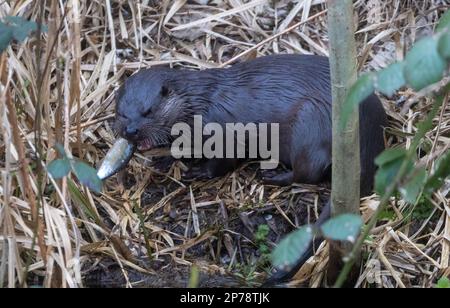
{"points": [[292, 90]]}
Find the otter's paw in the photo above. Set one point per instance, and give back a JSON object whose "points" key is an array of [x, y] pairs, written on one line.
{"points": [[283, 179]]}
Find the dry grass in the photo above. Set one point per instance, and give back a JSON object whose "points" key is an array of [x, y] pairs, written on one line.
{"points": [[60, 90]]}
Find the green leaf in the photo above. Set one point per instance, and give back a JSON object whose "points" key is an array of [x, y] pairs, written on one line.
{"points": [[22, 27], [389, 163], [144, 229], [343, 228], [444, 22], [441, 172], [22, 31], [386, 215], [390, 79], [194, 278], [262, 233], [361, 90], [59, 168], [423, 64], [5, 37], [388, 171], [443, 283], [413, 187], [444, 45], [61, 150], [292, 248], [87, 176], [83, 201], [423, 209], [389, 156], [15, 20]]}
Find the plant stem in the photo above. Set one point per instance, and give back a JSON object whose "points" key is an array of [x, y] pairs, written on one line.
{"points": [[390, 191]]}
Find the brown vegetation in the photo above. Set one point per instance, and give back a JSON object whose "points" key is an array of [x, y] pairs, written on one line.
{"points": [[149, 226]]}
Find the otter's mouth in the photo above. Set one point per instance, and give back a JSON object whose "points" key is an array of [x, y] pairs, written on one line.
{"points": [[144, 145]]}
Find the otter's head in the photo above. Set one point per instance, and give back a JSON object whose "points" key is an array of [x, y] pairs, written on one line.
{"points": [[147, 108]]}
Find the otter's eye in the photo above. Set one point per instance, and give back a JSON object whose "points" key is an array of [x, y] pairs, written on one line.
{"points": [[148, 112], [164, 91]]}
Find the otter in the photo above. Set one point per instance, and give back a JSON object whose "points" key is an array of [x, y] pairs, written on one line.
{"points": [[291, 90]]}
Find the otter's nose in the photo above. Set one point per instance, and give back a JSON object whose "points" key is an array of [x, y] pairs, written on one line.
{"points": [[131, 132]]}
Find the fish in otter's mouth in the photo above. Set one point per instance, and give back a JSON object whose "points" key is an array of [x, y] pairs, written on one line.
{"points": [[126, 144], [117, 158]]}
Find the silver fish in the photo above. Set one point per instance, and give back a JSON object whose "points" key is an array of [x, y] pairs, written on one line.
{"points": [[116, 159]]}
